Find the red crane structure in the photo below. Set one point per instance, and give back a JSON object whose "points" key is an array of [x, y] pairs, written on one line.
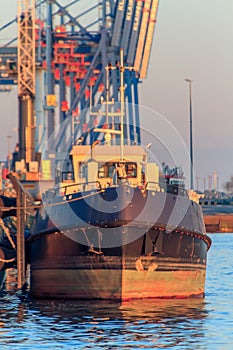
{"points": [[59, 66]]}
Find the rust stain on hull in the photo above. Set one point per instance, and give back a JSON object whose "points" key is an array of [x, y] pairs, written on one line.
{"points": [[63, 268], [160, 284], [116, 284]]}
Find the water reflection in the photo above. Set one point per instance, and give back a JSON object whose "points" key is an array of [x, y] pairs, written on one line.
{"points": [[169, 324], [150, 310], [142, 323]]}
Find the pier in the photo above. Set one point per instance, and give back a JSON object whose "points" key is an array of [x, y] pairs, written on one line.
{"points": [[218, 218]]}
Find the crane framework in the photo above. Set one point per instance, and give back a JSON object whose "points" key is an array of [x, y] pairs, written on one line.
{"points": [[59, 64]]}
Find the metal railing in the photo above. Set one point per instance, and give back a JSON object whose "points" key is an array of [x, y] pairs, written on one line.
{"points": [[62, 190], [85, 186], [168, 188]]}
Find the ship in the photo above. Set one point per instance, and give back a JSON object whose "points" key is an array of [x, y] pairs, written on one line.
{"points": [[116, 228]]}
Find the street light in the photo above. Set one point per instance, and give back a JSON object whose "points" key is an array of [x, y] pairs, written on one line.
{"points": [[191, 132], [9, 137]]}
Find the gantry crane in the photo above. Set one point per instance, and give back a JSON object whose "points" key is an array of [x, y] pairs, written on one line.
{"points": [[73, 44]]}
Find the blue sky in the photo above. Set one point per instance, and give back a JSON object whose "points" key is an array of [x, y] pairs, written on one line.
{"points": [[192, 39]]}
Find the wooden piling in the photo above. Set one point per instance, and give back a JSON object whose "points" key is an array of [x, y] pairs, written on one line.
{"points": [[23, 198], [21, 209]]}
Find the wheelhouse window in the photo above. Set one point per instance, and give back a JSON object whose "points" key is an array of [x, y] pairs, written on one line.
{"points": [[109, 169], [83, 170], [131, 169], [106, 170]]}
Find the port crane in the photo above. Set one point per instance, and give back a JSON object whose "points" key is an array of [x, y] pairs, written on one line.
{"points": [[60, 59]]}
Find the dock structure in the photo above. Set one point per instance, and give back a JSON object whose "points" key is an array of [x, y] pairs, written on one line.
{"points": [[69, 47], [218, 218], [21, 265], [218, 212], [23, 203], [219, 223]]}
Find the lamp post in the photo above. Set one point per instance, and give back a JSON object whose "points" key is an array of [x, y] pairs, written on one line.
{"points": [[9, 153], [191, 131]]}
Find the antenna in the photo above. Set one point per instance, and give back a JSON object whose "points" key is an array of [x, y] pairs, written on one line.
{"points": [[109, 131]]}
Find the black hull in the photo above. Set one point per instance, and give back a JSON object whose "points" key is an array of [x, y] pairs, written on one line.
{"points": [[120, 206], [152, 245], [64, 268]]}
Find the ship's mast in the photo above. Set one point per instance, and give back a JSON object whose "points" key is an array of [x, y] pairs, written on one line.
{"points": [[109, 131]]}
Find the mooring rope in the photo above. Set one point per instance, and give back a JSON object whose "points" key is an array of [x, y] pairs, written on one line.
{"points": [[7, 260], [51, 204], [7, 232]]}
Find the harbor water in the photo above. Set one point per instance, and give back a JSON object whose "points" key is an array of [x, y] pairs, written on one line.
{"points": [[154, 324]]}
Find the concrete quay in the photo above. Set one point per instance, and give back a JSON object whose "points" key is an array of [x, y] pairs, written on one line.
{"points": [[218, 218]]}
